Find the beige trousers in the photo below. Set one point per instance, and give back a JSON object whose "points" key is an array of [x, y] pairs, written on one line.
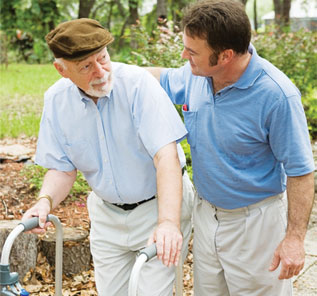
{"points": [[233, 249], [117, 235]]}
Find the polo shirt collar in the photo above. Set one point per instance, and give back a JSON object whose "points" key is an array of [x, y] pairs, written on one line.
{"points": [[252, 72]]}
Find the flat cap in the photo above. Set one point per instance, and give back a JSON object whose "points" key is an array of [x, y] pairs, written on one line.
{"points": [[78, 39]]}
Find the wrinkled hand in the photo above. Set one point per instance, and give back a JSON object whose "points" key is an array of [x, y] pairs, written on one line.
{"points": [[169, 240], [41, 209], [291, 254]]}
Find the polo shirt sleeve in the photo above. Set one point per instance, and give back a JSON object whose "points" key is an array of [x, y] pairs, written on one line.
{"points": [[174, 83], [289, 137], [49, 152], [155, 117]]}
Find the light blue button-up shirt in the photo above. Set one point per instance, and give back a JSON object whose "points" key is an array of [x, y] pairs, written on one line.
{"points": [[113, 143], [247, 137]]}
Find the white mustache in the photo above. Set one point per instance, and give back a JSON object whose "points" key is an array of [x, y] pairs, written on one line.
{"points": [[101, 80]]}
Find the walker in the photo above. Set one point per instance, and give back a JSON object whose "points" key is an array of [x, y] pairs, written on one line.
{"points": [[9, 281]]}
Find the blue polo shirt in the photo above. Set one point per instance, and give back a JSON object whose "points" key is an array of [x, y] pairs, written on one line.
{"points": [[247, 137], [113, 143]]}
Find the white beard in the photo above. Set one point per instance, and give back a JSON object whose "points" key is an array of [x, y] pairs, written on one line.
{"points": [[105, 90]]}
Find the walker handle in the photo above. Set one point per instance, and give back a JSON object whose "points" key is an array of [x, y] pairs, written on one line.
{"points": [[149, 252], [33, 223]]}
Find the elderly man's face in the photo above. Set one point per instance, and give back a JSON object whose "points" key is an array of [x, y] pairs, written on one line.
{"points": [[92, 75]]}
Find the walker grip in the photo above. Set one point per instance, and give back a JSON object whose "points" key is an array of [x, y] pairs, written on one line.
{"points": [[149, 251], [32, 223]]}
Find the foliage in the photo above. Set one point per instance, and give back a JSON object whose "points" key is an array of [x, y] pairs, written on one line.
{"points": [[25, 23], [310, 107], [186, 149], [162, 47], [294, 53], [35, 175]]}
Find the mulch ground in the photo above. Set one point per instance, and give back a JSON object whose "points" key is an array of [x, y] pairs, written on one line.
{"points": [[17, 195]]}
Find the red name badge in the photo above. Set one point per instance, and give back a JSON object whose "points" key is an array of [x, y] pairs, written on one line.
{"points": [[185, 107]]}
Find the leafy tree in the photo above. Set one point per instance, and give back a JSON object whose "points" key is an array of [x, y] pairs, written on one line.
{"points": [[25, 24]]}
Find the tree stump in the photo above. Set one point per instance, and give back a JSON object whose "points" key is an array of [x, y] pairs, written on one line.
{"points": [[76, 250], [24, 249]]}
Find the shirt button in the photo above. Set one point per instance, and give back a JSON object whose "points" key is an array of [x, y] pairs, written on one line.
{"points": [[105, 159]]}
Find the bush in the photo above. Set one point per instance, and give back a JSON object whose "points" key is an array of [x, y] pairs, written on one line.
{"points": [[35, 175], [162, 47], [310, 107], [293, 53]]}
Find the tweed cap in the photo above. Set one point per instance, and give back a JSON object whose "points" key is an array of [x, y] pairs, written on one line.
{"points": [[77, 39]]}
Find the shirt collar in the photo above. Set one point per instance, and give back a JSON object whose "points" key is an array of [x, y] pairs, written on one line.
{"points": [[85, 99], [252, 72]]}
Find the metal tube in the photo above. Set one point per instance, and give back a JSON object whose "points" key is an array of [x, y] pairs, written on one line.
{"points": [[58, 254], [135, 273], [8, 244], [179, 278]]}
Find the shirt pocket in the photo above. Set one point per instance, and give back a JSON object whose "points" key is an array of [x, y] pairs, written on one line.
{"points": [[191, 126], [81, 155]]}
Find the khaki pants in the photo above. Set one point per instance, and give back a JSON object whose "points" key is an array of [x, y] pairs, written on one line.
{"points": [[116, 236], [233, 249]]}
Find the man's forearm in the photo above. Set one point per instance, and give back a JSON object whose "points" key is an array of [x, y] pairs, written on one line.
{"points": [[57, 185], [155, 71], [300, 194], [169, 186], [167, 236]]}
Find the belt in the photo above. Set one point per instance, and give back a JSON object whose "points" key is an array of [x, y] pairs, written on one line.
{"points": [[129, 207]]}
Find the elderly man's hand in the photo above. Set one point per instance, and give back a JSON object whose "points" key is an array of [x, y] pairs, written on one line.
{"points": [[169, 240], [41, 209]]}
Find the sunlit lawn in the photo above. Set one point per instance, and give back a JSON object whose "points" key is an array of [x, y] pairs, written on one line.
{"points": [[22, 90]]}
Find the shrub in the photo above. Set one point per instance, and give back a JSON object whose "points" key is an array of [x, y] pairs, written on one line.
{"points": [[35, 175], [293, 53], [162, 47], [310, 107]]}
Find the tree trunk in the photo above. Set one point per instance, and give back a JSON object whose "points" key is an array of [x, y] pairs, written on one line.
{"points": [[282, 9], [24, 250], [133, 11], [110, 15], [131, 20], [255, 17], [85, 7], [176, 8], [76, 251], [161, 10]]}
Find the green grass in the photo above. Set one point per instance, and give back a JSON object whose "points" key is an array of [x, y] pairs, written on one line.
{"points": [[22, 89]]}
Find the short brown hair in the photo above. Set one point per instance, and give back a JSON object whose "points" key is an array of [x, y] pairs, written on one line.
{"points": [[223, 23]]}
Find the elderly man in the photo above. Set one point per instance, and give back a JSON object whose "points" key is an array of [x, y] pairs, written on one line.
{"points": [[114, 123], [250, 145]]}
